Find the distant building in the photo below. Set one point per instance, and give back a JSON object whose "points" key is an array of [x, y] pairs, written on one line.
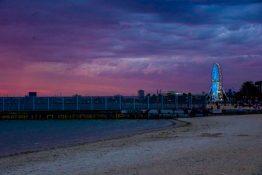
{"points": [[32, 94], [259, 85], [141, 93], [171, 93]]}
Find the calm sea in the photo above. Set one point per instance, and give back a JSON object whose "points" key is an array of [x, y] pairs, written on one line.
{"points": [[23, 136]]}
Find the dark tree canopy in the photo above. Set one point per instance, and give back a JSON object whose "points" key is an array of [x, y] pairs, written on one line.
{"points": [[249, 91]]}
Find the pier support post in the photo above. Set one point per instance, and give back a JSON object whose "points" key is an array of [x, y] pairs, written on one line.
{"points": [[162, 101], [77, 105], [3, 102], [105, 103], [18, 104], [91, 104], [176, 101], [189, 96], [120, 102], [48, 104], [33, 103], [63, 103], [148, 103], [134, 103]]}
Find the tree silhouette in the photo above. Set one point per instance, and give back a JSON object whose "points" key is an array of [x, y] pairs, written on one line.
{"points": [[249, 91]]}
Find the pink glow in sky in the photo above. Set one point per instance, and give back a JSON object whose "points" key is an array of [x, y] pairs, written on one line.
{"points": [[98, 47]]}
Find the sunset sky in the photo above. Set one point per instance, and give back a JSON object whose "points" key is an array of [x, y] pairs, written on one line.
{"points": [[107, 47]]}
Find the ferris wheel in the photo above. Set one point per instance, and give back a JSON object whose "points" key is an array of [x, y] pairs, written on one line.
{"points": [[217, 92]]}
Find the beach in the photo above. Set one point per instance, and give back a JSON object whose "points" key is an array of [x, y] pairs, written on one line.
{"points": [[219, 145]]}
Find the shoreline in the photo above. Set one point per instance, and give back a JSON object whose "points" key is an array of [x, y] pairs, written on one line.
{"points": [[209, 145], [174, 123]]}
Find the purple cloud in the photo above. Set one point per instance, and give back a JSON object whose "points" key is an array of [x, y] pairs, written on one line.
{"points": [[110, 47]]}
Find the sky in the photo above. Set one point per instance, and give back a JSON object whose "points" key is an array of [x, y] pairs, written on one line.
{"points": [[108, 47]]}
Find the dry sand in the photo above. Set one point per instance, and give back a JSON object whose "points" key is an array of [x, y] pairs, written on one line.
{"points": [[222, 145]]}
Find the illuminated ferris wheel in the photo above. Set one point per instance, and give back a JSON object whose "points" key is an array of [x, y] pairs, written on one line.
{"points": [[217, 92]]}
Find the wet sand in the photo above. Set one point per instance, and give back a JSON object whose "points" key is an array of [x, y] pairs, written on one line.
{"points": [[221, 145]]}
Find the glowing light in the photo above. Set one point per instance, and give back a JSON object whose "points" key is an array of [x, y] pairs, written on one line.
{"points": [[216, 87]]}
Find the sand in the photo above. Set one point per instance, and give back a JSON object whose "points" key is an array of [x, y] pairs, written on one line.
{"points": [[221, 145]]}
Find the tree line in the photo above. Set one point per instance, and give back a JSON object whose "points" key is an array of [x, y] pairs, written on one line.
{"points": [[249, 92]]}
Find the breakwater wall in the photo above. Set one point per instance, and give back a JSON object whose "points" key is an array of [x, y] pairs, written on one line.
{"points": [[67, 115], [106, 103]]}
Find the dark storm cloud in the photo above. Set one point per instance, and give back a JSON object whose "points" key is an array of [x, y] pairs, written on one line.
{"points": [[125, 42], [194, 12]]}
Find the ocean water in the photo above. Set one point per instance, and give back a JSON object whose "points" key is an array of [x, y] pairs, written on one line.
{"points": [[23, 136]]}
